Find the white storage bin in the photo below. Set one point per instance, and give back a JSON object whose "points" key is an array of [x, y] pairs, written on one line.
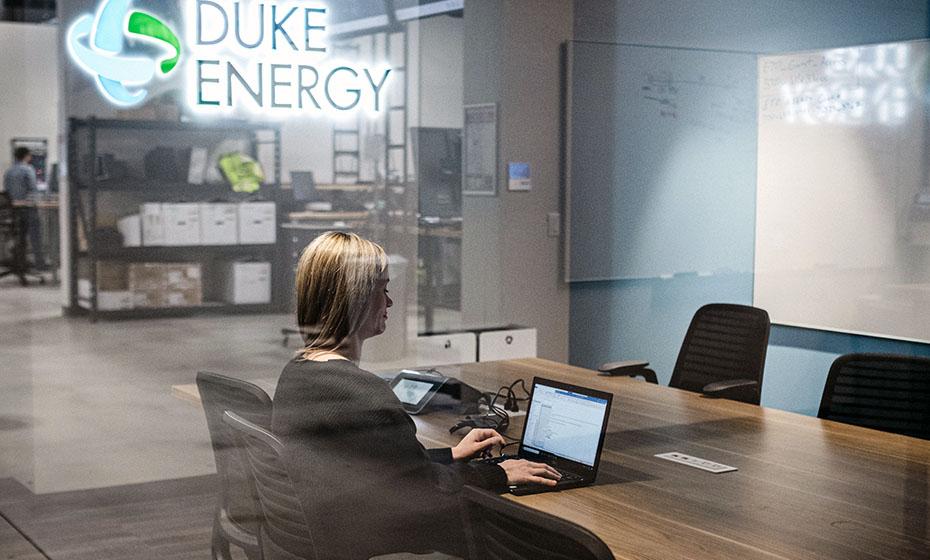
{"points": [[506, 344], [219, 224], [182, 224], [130, 227], [257, 223], [247, 283], [106, 300], [444, 349], [153, 224]]}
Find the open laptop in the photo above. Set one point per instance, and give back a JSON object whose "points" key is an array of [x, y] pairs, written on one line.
{"points": [[565, 428]]}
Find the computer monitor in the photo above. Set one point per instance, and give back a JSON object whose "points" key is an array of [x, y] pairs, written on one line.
{"points": [[437, 157], [304, 186], [53, 179]]}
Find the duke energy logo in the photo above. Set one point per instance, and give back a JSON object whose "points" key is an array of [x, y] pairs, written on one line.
{"points": [[97, 43]]}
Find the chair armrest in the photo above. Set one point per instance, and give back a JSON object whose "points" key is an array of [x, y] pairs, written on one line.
{"points": [[630, 368], [720, 388]]}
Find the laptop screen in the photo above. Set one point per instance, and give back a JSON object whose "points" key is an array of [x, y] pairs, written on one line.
{"points": [[564, 423]]}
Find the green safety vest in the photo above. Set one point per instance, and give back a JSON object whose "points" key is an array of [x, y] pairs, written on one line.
{"points": [[243, 173]]}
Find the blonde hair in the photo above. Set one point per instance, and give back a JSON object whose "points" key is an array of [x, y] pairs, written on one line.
{"points": [[336, 277]]}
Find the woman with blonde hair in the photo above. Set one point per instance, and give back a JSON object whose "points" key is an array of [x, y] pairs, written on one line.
{"points": [[368, 487]]}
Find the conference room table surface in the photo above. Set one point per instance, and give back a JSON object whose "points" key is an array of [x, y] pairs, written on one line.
{"points": [[805, 488]]}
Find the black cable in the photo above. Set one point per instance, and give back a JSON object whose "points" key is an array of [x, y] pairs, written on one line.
{"points": [[522, 387], [500, 412]]}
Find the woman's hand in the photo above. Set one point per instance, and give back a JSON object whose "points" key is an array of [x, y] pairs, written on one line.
{"points": [[476, 441], [521, 471]]}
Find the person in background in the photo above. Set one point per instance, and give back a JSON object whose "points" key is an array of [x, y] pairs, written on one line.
{"points": [[369, 487], [19, 182]]}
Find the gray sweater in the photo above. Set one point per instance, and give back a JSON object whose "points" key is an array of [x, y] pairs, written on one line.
{"points": [[367, 485]]}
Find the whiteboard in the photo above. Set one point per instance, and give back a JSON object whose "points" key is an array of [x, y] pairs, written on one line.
{"points": [[661, 151], [842, 240]]}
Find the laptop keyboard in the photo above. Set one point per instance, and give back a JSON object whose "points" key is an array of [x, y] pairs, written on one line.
{"points": [[566, 476]]}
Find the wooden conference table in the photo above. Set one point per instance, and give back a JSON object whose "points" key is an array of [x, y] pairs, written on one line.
{"points": [[805, 488]]}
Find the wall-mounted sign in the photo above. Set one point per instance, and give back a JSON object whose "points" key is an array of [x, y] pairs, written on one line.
{"points": [[479, 150], [97, 43], [519, 177], [264, 56]]}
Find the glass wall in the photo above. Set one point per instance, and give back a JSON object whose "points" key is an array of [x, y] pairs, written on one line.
{"points": [[192, 150], [172, 262]]}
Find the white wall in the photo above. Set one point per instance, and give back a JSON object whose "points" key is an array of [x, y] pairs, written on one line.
{"points": [[29, 88], [511, 268]]}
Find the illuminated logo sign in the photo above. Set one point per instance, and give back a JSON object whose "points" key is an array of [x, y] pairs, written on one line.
{"points": [[268, 57], [97, 43], [273, 57]]}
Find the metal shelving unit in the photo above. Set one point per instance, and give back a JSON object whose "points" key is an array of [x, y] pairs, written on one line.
{"points": [[347, 148], [87, 188]]}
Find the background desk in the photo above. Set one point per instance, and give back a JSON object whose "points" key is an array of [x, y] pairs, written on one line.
{"points": [[806, 488], [48, 216]]}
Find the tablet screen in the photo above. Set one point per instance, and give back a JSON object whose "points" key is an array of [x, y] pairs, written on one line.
{"points": [[412, 392]]}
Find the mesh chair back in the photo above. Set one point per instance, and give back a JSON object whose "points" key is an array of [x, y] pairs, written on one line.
{"points": [[7, 225], [218, 394], [879, 391], [285, 532], [6, 209], [503, 529], [724, 342]]}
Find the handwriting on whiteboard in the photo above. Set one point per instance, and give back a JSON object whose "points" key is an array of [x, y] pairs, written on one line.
{"points": [[698, 100], [849, 86]]}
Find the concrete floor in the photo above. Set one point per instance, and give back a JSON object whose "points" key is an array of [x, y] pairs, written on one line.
{"points": [[87, 405]]}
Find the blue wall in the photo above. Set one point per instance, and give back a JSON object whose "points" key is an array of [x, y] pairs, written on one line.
{"points": [[647, 318]]}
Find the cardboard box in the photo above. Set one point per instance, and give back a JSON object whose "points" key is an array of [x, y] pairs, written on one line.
{"points": [[247, 283], [182, 224], [166, 284], [112, 276], [147, 283], [219, 224], [185, 286], [106, 300], [153, 224], [130, 227], [257, 223]]}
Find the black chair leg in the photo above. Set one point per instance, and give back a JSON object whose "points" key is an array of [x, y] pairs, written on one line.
{"points": [[220, 547]]}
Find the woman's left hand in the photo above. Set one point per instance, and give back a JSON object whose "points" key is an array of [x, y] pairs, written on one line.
{"points": [[476, 441]]}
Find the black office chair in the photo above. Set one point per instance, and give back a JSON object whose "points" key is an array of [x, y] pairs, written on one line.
{"points": [[723, 354], [880, 391], [13, 237], [499, 528], [238, 517], [285, 534]]}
